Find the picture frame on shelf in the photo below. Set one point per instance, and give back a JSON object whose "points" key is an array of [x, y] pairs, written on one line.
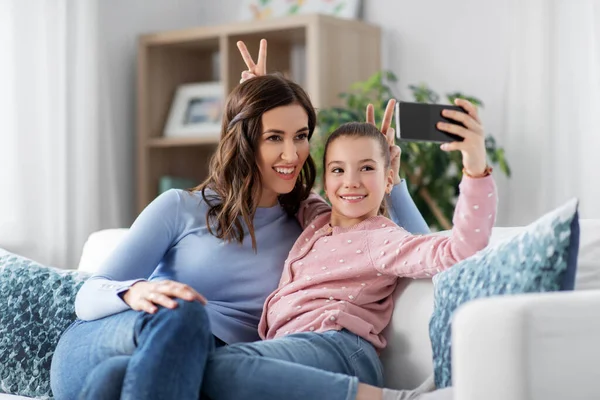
{"points": [[266, 9], [196, 111]]}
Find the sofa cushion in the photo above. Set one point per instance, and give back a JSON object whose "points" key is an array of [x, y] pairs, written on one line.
{"points": [[542, 258], [588, 262], [37, 304], [98, 247]]}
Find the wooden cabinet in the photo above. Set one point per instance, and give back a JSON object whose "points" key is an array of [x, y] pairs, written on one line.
{"points": [[324, 54]]}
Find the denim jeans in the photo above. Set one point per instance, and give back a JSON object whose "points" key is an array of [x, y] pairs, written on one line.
{"points": [[134, 355], [305, 365]]}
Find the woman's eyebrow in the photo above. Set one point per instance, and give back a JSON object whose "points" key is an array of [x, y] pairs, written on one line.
{"points": [[279, 131]]}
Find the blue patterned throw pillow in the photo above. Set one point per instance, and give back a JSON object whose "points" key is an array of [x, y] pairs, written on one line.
{"points": [[37, 305], [542, 258]]}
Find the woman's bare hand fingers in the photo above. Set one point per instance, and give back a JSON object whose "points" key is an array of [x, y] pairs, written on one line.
{"points": [[387, 119], [370, 114], [144, 305], [246, 55], [388, 115], [146, 296], [391, 136], [254, 69], [261, 65], [161, 300], [246, 75], [181, 290]]}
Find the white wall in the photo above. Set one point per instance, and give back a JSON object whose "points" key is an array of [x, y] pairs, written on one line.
{"points": [[120, 24]]}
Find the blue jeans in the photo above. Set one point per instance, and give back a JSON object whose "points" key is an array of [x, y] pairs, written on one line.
{"points": [[134, 355], [305, 365]]}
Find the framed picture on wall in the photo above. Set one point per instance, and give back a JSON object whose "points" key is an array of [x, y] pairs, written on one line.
{"points": [[196, 111], [265, 9]]}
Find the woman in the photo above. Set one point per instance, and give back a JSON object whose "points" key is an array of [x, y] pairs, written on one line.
{"points": [[196, 267]]}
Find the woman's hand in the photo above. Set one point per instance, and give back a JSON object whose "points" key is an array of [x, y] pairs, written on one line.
{"points": [[145, 296], [473, 145], [389, 133], [254, 69]]}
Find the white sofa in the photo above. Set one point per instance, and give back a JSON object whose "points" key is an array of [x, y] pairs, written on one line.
{"points": [[528, 347]]}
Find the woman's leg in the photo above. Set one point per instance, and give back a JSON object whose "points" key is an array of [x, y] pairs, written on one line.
{"points": [[105, 382], [133, 353], [301, 366], [84, 346], [173, 345]]}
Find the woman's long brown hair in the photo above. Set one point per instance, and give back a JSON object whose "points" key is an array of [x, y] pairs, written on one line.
{"points": [[233, 173]]}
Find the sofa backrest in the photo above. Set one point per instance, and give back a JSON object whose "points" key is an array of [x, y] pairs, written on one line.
{"points": [[407, 359]]}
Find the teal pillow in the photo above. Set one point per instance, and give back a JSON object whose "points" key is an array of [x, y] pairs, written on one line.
{"points": [[37, 305], [542, 258]]}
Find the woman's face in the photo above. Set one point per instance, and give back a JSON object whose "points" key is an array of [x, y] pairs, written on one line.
{"points": [[282, 150]]}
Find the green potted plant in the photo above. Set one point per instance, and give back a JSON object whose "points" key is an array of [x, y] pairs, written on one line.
{"points": [[432, 175]]}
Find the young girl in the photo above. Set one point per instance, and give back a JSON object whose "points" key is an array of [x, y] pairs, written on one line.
{"points": [[323, 324], [145, 327]]}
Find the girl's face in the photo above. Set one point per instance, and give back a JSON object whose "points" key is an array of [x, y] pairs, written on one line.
{"points": [[356, 179], [282, 150]]}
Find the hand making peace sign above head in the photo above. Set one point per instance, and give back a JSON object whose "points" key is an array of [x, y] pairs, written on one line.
{"points": [[389, 133], [254, 69]]}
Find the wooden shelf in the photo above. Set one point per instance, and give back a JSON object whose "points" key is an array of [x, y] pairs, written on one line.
{"points": [[182, 141], [329, 53]]}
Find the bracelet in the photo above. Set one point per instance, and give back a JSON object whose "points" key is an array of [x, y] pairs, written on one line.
{"points": [[488, 171]]}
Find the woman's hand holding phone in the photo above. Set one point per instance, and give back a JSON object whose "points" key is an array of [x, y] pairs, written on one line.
{"points": [[473, 145]]}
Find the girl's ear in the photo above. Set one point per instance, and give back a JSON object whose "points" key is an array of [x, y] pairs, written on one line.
{"points": [[389, 181]]}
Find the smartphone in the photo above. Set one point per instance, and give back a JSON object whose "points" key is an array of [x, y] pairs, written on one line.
{"points": [[418, 122]]}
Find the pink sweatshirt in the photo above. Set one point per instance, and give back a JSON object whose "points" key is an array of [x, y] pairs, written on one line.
{"points": [[336, 278]]}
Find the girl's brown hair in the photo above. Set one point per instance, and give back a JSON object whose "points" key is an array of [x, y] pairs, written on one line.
{"points": [[233, 173], [357, 130]]}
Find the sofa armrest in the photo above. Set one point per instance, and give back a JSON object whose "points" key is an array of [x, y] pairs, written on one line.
{"points": [[528, 347]]}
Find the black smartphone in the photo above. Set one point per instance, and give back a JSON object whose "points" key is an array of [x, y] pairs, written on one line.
{"points": [[418, 122]]}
